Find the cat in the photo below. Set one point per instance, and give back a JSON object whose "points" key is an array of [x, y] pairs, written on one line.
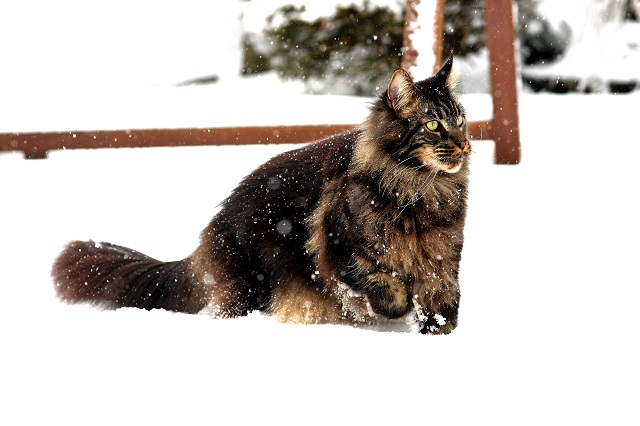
{"points": [[362, 228]]}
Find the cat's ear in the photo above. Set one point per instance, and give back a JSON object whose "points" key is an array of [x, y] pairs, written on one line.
{"points": [[402, 93], [447, 75]]}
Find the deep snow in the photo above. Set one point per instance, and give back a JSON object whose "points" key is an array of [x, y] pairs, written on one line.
{"points": [[548, 328], [549, 322]]}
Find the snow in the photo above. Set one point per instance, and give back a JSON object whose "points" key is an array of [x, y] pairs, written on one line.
{"points": [[571, 12], [422, 38], [255, 15], [71, 109], [548, 322], [603, 47], [116, 42]]}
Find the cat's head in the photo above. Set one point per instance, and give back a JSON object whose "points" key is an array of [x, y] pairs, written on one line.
{"points": [[429, 126]]}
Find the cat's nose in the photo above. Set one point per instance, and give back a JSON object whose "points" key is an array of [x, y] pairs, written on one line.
{"points": [[462, 144]]}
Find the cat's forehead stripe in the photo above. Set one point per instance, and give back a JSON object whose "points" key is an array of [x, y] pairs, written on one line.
{"points": [[439, 112], [443, 110]]}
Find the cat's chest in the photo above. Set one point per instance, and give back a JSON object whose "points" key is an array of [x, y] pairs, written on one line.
{"points": [[409, 253], [414, 250]]}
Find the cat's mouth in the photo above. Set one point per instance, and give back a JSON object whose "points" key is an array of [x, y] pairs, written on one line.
{"points": [[448, 161], [452, 161], [451, 164]]}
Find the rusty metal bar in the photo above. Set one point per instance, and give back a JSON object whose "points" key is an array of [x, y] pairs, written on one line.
{"points": [[504, 127], [438, 29], [36, 145], [409, 53]]}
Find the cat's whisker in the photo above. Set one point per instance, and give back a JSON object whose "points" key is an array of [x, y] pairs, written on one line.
{"points": [[396, 174], [424, 188], [429, 181]]}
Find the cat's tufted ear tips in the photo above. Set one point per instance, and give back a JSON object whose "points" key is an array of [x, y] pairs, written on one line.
{"points": [[401, 93], [447, 75]]}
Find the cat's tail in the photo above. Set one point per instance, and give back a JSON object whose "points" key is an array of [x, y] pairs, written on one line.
{"points": [[111, 276]]}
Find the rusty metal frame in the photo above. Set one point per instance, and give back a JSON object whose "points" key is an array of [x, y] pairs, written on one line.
{"points": [[503, 127], [37, 145]]}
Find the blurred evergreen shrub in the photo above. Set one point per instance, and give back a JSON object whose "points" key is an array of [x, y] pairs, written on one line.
{"points": [[540, 40], [352, 51]]}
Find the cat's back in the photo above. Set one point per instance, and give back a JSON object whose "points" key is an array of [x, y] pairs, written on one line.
{"points": [[294, 179], [272, 204]]}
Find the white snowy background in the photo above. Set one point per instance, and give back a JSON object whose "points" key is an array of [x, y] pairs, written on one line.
{"points": [[549, 319]]}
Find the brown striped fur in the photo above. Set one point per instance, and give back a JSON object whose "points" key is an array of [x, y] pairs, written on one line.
{"points": [[365, 227]]}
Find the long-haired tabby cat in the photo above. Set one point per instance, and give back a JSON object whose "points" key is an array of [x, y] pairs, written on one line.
{"points": [[365, 227]]}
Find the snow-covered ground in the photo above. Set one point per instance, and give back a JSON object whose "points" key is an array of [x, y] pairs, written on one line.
{"points": [[549, 320]]}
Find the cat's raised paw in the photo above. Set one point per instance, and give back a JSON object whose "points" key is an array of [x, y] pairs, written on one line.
{"points": [[435, 324], [388, 295]]}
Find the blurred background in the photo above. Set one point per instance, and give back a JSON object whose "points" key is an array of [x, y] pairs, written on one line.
{"points": [[313, 46], [583, 45]]}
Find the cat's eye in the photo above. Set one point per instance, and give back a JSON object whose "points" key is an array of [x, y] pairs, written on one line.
{"points": [[432, 125], [460, 120]]}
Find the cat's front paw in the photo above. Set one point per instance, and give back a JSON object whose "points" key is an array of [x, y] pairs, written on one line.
{"points": [[387, 295], [434, 324]]}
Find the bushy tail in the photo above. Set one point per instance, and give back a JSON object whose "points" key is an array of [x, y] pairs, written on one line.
{"points": [[112, 276]]}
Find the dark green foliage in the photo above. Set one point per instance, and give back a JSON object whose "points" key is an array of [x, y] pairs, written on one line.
{"points": [[463, 27], [353, 51], [254, 61], [464, 30], [540, 41]]}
